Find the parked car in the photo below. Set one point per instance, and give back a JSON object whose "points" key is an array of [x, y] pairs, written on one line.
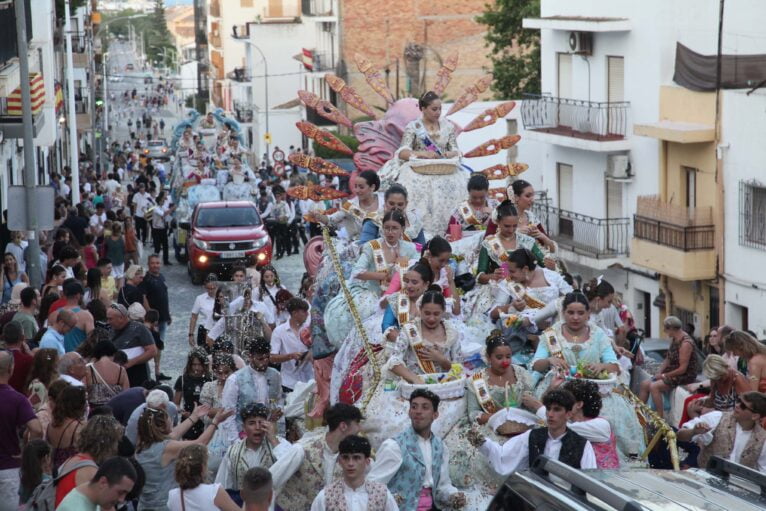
{"points": [[222, 234], [554, 486], [157, 149]]}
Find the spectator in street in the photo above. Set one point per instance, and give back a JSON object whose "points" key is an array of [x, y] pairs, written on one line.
{"points": [[157, 399], [124, 403], [97, 220], [135, 340], [141, 201], [53, 338], [188, 387], [76, 224], [41, 375], [132, 292], [25, 316], [160, 222], [98, 441], [13, 335], [104, 379], [108, 282], [114, 248], [12, 274], [156, 292], [84, 324], [257, 489], [16, 248], [68, 258], [131, 242], [202, 313], [15, 413], [71, 369], [192, 493], [288, 349], [54, 280], [67, 422], [108, 488]]}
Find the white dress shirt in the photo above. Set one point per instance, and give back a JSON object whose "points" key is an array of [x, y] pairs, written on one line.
{"points": [[389, 460], [203, 307], [513, 455], [741, 438], [596, 430], [356, 500], [285, 340], [288, 458]]}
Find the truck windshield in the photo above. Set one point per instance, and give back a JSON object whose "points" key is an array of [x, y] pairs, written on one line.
{"points": [[227, 217]]}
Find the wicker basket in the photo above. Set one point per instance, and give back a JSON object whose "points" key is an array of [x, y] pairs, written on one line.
{"points": [[438, 167], [449, 390], [512, 421]]}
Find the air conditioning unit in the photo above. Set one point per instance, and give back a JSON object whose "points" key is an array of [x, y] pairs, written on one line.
{"points": [[618, 166], [581, 43]]}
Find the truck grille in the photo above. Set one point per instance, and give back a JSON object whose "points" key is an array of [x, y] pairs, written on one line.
{"points": [[223, 246]]}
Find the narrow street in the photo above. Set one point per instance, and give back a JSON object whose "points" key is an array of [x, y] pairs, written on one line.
{"points": [[182, 291]]}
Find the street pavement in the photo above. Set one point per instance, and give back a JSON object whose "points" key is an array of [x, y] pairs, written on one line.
{"points": [[181, 291]]}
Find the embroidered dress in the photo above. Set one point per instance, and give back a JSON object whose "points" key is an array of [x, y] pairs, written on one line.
{"points": [[470, 470], [350, 215], [435, 195], [387, 412], [616, 409], [365, 293]]}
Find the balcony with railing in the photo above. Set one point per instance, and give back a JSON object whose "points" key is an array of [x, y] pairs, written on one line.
{"points": [[674, 240], [590, 125], [597, 238], [239, 74], [323, 61]]}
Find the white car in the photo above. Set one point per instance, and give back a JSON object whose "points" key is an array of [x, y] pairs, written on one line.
{"points": [[157, 149]]}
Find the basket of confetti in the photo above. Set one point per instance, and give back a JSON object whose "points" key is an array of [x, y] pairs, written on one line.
{"points": [[449, 385]]}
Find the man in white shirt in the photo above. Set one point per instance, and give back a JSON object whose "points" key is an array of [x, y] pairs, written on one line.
{"points": [[97, 220], [556, 441], [737, 436], [111, 184], [71, 368], [260, 448], [415, 463], [288, 349], [353, 492], [141, 201]]}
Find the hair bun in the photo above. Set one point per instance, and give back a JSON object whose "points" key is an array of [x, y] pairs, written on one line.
{"points": [[434, 288]]}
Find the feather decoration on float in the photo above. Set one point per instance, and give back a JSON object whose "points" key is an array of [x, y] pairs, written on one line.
{"points": [[324, 108], [316, 164], [444, 74], [471, 94], [374, 78], [490, 116], [349, 94], [493, 146], [323, 137]]}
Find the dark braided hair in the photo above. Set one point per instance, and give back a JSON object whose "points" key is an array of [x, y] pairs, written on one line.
{"points": [[576, 297], [426, 99], [496, 340]]}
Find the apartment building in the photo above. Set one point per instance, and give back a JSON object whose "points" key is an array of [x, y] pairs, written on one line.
{"points": [[641, 187], [42, 78]]}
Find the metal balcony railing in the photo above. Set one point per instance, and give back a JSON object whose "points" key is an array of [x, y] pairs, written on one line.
{"points": [[685, 229], [594, 237], [316, 7], [239, 74], [575, 118], [323, 62]]}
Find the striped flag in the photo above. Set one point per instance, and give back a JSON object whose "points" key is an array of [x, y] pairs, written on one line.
{"points": [[308, 59]]}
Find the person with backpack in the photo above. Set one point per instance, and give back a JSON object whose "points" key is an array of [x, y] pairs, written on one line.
{"points": [[110, 486]]}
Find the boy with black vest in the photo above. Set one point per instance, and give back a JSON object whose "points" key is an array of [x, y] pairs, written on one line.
{"points": [[555, 441]]}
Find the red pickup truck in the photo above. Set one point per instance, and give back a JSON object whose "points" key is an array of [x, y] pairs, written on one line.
{"points": [[225, 233]]}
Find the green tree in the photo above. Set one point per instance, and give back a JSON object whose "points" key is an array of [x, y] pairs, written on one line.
{"points": [[515, 51], [151, 27]]}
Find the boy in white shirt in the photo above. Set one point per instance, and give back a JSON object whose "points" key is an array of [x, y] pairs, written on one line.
{"points": [[354, 492]]}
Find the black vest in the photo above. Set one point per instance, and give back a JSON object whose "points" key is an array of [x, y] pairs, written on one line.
{"points": [[572, 446]]}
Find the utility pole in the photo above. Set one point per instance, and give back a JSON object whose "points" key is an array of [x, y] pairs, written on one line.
{"points": [[74, 152], [32, 255], [92, 84]]}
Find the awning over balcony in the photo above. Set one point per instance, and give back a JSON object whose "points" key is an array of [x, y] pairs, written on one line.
{"points": [[680, 132], [579, 23]]}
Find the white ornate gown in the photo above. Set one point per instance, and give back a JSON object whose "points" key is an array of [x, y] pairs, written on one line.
{"points": [[435, 195]]}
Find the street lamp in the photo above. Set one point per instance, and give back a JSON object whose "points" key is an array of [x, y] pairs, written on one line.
{"points": [[267, 135]]}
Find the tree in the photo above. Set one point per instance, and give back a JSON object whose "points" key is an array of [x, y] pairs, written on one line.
{"points": [[515, 52]]}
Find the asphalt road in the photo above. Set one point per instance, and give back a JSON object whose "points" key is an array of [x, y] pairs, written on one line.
{"points": [[182, 292]]}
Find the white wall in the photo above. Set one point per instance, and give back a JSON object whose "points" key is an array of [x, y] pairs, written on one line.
{"points": [[743, 125]]}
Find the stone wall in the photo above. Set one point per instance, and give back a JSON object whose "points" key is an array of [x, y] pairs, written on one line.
{"points": [[444, 26]]}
